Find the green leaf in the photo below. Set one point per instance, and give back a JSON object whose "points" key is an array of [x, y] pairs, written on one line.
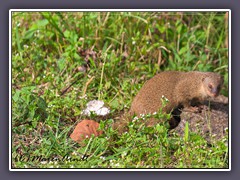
{"points": [[61, 64], [43, 22], [16, 96], [29, 34], [66, 34], [114, 104], [183, 50]]}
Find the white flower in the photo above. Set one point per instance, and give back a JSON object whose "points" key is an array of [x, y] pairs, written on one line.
{"points": [[102, 111], [142, 115], [135, 119], [43, 162], [102, 157], [96, 107], [116, 165], [124, 153], [83, 97]]}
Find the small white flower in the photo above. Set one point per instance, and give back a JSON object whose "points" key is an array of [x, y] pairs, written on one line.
{"points": [[133, 42], [102, 111], [96, 107], [19, 24], [135, 118], [25, 46], [124, 153], [43, 162], [83, 97], [142, 115], [116, 165], [154, 113], [102, 157]]}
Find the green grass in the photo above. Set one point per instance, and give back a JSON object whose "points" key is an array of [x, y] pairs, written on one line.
{"points": [[120, 51]]}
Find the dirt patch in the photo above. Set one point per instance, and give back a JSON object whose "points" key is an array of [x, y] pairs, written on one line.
{"points": [[211, 122]]}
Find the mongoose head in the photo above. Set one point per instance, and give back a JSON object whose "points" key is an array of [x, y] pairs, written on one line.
{"points": [[212, 84]]}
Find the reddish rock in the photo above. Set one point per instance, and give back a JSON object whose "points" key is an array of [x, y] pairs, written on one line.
{"points": [[84, 130]]}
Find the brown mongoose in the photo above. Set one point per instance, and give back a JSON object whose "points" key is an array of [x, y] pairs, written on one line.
{"points": [[182, 89]]}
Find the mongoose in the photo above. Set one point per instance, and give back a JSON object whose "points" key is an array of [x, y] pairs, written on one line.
{"points": [[182, 89]]}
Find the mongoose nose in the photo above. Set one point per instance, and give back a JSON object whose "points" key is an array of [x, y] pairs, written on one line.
{"points": [[214, 92]]}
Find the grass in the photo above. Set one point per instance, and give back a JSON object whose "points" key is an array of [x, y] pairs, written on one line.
{"points": [[109, 55]]}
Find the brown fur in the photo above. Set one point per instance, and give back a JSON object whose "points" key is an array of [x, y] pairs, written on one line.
{"points": [[182, 89]]}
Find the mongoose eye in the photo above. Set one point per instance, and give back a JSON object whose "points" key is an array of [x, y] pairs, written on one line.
{"points": [[210, 86]]}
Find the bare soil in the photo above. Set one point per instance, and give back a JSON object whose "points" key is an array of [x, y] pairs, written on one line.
{"points": [[211, 122]]}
